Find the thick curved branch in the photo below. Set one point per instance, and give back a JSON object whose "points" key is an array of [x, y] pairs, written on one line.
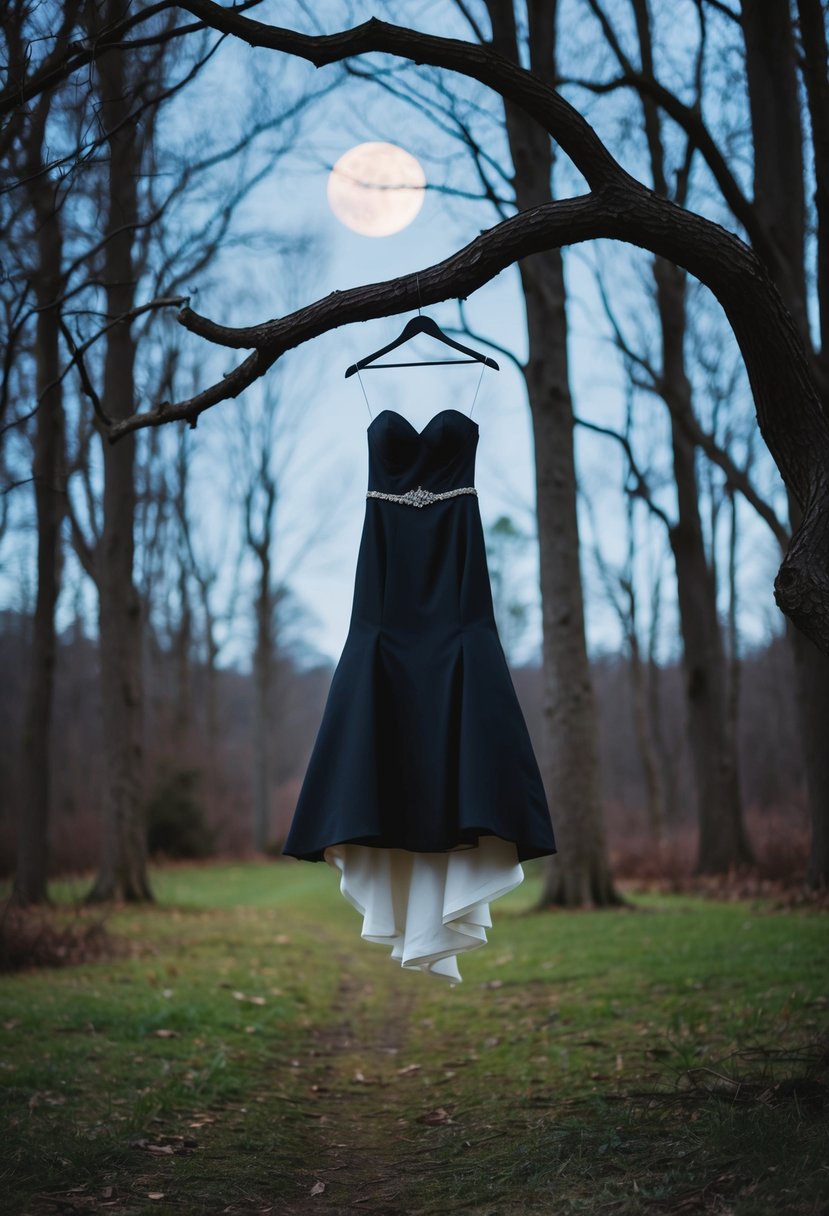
{"points": [[572, 132], [789, 410], [546, 227], [769, 342]]}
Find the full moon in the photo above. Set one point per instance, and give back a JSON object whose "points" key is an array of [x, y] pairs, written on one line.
{"points": [[376, 189]]}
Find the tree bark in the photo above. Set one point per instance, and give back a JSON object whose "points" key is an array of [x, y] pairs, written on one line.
{"points": [[816, 78], [771, 68], [183, 712], [654, 792], [123, 867], [263, 718], [579, 874], [774, 106], [30, 881], [811, 668], [722, 842], [260, 542]]}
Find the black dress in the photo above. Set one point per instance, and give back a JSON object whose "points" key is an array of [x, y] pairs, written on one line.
{"points": [[422, 747]]}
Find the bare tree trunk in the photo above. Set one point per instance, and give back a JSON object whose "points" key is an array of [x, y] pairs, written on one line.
{"points": [[123, 868], [580, 873], [813, 39], [654, 794], [811, 667], [263, 717], [722, 839], [734, 670], [262, 487], [211, 710], [627, 610], [30, 886], [211, 702], [204, 578], [183, 712], [668, 760], [771, 69]]}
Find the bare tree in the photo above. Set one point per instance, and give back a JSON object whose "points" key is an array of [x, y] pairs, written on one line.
{"points": [[260, 501], [788, 405], [621, 591], [722, 838], [617, 206], [26, 156], [774, 220], [102, 276], [777, 128]]}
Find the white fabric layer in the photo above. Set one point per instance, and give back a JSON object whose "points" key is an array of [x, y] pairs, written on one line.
{"points": [[429, 907]]}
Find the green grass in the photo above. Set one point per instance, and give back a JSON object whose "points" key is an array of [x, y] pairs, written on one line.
{"points": [[666, 1058]]}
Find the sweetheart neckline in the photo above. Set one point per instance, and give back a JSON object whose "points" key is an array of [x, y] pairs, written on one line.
{"points": [[420, 434]]}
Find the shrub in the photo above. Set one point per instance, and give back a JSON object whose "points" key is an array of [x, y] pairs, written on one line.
{"points": [[176, 824], [35, 937]]}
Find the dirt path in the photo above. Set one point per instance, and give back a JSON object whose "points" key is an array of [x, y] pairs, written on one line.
{"points": [[353, 1080], [390, 1127]]}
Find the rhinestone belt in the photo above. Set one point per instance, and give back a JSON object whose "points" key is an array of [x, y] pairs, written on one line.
{"points": [[420, 497]]}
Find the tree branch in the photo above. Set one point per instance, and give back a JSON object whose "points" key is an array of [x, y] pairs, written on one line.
{"points": [[691, 122], [63, 63], [641, 489], [573, 133], [789, 411]]}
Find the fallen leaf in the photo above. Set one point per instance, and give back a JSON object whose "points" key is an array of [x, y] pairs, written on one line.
{"points": [[165, 1034], [176, 1144], [155, 1195], [409, 1070], [435, 1116], [251, 1000], [317, 1188]]}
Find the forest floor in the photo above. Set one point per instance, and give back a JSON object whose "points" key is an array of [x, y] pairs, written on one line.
{"points": [[245, 1052]]}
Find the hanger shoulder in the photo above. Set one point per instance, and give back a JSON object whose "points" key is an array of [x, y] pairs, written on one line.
{"points": [[422, 325], [408, 332]]}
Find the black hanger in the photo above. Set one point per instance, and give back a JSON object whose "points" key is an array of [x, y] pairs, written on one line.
{"points": [[422, 325]]}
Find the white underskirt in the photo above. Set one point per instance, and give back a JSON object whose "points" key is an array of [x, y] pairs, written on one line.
{"points": [[429, 907]]}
